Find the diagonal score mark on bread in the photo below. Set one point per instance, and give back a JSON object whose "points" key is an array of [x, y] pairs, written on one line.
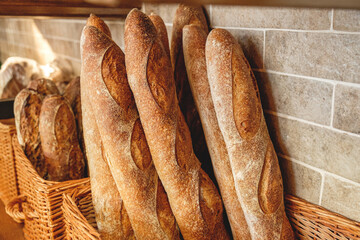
{"points": [[124, 143], [193, 198]]}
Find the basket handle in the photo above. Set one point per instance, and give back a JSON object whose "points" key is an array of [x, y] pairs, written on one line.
{"points": [[14, 209]]}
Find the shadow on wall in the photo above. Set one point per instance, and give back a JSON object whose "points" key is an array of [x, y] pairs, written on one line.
{"points": [[22, 37]]}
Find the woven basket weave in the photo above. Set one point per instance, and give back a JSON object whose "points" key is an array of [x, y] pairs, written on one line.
{"points": [[8, 184], [79, 216], [39, 203], [309, 221]]}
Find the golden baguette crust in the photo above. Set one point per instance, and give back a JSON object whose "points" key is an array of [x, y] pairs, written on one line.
{"points": [[193, 198], [60, 145], [252, 157], [194, 39], [124, 143], [187, 14], [161, 31], [111, 217]]}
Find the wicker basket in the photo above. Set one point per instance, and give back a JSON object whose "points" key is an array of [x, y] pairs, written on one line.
{"points": [[8, 186], [79, 216], [309, 221], [39, 203]]}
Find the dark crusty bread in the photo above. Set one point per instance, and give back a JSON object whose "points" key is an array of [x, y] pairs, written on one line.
{"points": [[194, 39], [72, 95], [111, 216], [43, 86], [187, 14], [193, 197], [27, 107], [161, 31], [123, 139], [252, 157], [63, 157]]}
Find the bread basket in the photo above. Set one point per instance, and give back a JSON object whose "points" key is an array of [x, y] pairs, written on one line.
{"points": [[79, 216], [308, 220], [39, 203], [8, 186]]}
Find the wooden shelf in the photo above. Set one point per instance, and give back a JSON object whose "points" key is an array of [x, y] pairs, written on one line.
{"points": [[63, 8]]}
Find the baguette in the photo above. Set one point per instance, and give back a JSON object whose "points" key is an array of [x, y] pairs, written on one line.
{"points": [[161, 31], [186, 14], [194, 39], [72, 95], [27, 107], [63, 157], [111, 216], [254, 164], [193, 197], [124, 142]]}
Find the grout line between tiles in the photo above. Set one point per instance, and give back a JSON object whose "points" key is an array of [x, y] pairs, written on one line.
{"points": [[332, 20], [321, 187], [332, 107], [321, 171], [289, 30], [310, 123], [308, 77]]}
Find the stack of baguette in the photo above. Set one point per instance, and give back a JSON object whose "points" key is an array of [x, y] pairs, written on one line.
{"points": [[47, 131], [146, 179]]}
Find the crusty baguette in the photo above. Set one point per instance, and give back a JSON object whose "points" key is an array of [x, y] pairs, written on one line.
{"points": [[254, 164], [27, 107], [63, 157], [194, 39], [43, 86], [193, 197], [111, 216], [72, 95], [186, 14], [124, 143], [161, 31]]}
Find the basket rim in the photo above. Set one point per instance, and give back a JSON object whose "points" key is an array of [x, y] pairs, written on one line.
{"points": [[20, 155]]}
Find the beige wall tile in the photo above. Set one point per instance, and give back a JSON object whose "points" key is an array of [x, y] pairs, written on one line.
{"points": [[347, 20], [252, 43], [302, 98], [165, 11], [323, 148], [67, 48], [323, 55], [347, 108], [169, 32], [76, 66], [268, 17], [341, 197], [117, 30], [301, 181], [62, 29]]}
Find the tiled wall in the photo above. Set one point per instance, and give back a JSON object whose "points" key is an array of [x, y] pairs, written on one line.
{"points": [[307, 63]]}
